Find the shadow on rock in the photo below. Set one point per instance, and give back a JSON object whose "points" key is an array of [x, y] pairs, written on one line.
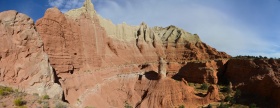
{"points": [[152, 75]]}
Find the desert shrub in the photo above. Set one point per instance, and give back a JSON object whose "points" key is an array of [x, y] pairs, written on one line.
{"points": [[126, 105], [16, 90], [204, 86], [181, 106], [209, 106], [223, 105], [8, 89], [39, 101], [19, 102], [232, 101], [60, 105], [5, 91], [228, 98], [237, 93], [35, 94], [253, 105], [2, 92], [45, 104], [227, 89], [46, 97]]}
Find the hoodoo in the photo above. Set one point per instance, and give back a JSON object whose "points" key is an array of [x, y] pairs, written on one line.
{"points": [[162, 68]]}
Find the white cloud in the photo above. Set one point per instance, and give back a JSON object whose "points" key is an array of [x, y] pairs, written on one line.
{"points": [[66, 5], [217, 28], [56, 3]]}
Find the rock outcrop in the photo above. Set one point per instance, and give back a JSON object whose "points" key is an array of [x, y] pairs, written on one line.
{"points": [[259, 77], [23, 63], [72, 45], [212, 94], [162, 68], [89, 61], [167, 93], [202, 71], [93, 58]]}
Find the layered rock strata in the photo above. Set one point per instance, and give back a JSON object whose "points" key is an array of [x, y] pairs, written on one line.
{"points": [[202, 71], [94, 58], [23, 63], [100, 64]]}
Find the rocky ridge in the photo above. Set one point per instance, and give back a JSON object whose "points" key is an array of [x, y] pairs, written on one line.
{"points": [[258, 77], [23, 63], [73, 49], [90, 55], [89, 61]]}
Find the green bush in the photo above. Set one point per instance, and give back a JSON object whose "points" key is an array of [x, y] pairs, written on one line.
{"points": [[45, 104], [2, 92], [237, 93], [222, 105], [228, 98], [19, 102], [227, 89], [232, 101], [5, 91], [35, 94], [46, 97], [204, 86], [126, 105], [60, 105], [8, 89], [253, 105], [181, 106], [209, 106], [39, 101]]}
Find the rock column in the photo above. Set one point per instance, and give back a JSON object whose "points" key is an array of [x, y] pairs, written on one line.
{"points": [[162, 68]]}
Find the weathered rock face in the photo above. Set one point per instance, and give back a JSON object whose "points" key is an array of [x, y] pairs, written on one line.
{"points": [[202, 71], [70, 46], [213, 93], [162, 68], [23, 63], [166, 93], [94, 58], [259, 77]]}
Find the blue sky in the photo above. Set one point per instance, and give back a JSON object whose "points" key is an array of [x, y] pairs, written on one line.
{"points": [[238, 27]]}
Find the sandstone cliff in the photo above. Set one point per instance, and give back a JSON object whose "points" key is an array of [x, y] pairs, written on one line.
{"points": [[23, 63], [89, 61], [259, 77], [202, 71], [94, 58]]}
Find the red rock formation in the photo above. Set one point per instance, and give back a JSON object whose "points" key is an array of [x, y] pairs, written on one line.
{"points": [[69, 45], [102, 64], [202, 71], [96, 59], [23, 63], [167, 93], [212, 94], [260, 77]]}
